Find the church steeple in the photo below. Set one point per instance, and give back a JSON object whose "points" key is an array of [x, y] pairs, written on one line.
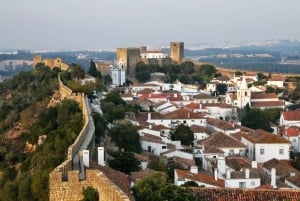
{"points": [[244, 85]]}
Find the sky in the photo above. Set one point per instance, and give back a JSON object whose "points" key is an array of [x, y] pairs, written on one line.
{"points": [[106, 24]]}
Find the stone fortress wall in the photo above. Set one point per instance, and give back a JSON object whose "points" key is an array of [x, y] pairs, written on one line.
{"points": [[52, 63], [66, 182]]}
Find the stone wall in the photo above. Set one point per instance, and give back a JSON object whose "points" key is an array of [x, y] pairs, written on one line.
{"points": [[66, 184], [52, 63], [72, 188]]}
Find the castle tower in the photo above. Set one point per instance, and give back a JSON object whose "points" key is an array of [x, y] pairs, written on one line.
{"points": [[177, 51], [128, 58], [243, 94], [36, 59]]}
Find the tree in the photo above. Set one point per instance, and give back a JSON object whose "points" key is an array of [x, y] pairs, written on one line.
{"points": [[207, 69], [90, 194], [187, 67], [126, 137], [256, 119], [155, 187], [115, 98], [93, 70], [221, 89], [238, 73], [77, 72], [124, 162], [184, 134]]}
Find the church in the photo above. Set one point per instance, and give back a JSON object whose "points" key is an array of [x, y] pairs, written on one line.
{"points": [[260, 100]]}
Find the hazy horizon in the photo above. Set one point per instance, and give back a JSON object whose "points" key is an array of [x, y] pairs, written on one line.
{"points": [[106, 24]]}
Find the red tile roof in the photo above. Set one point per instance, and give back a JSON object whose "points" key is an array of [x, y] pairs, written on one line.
{"points": [[237, 163], [291, 115], [221, 140], [217, 194], [258, 95], [294, 180], [220, 105], [221, 124], [261, 136], [200, 178], [183, 114], [277, 79], [192, 106], [267, 103], [141, 174], [292, 131], [204, 96], [201, 129], [282, 168], [151, 138]]}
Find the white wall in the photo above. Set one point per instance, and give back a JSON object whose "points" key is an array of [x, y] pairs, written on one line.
{"points": [[156, 148], [180, 154], [234, 183]]}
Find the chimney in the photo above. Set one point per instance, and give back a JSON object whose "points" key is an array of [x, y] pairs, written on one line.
{"points": [[273, 177], [149, 116], [189, 115], [200, 106], [86, 158], [292, 174], [175, 95], [150, 126], [247, 173], [216, 173], [228, 174], [254, 164], [101, 156], [194, 169]]}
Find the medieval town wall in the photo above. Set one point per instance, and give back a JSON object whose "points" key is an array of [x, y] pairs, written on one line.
{"points": [[64, 183]]}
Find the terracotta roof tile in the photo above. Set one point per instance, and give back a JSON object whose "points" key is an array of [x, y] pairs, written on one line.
{"points": [[294, 180], [254, 173], [291, 115], [220, 105], [141, 174], [267, 103], [282, 169], [204, 96], [220, 140], [258, 95], [200, 177], [201, 129], [261, 136], [221, 124], [237, 163], [292, 131], [215, 194], [183, 114]]}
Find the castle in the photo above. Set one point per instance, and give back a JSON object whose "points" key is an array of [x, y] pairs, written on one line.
{"points": [[128, 58], [52, 63]]}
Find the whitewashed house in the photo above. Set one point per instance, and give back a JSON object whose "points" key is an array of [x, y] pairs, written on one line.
{"points": [[248, 178], [290, 118], [183, 176], [263, 146], [292, 134]]}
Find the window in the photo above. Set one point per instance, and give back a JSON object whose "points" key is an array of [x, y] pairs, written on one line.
{"points": [[281, 151], [163, 147], [231, 152], [262, 151], [294, 140], [242, 184], [252, 183]]}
